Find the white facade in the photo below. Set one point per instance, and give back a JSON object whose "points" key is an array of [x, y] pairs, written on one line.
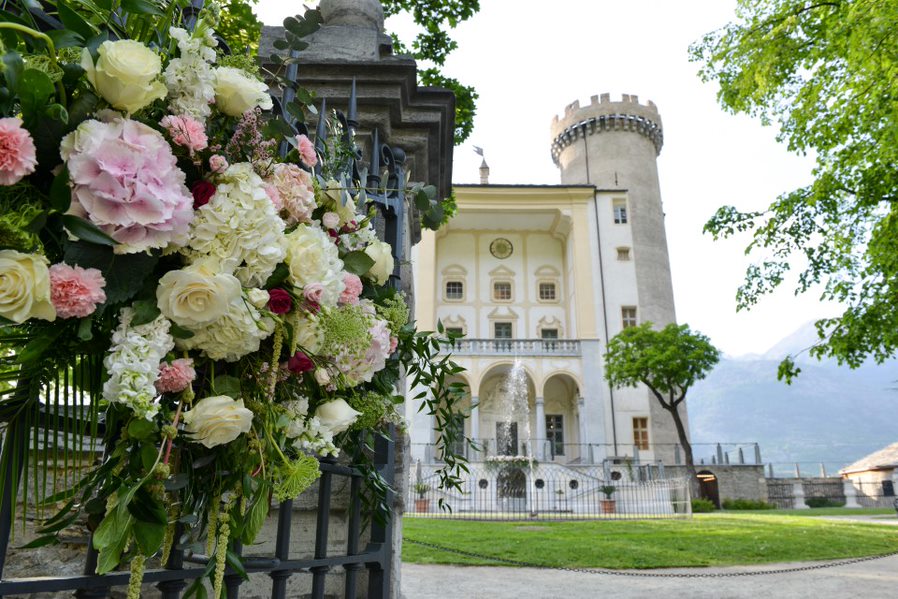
{"points": [[546, 275]]}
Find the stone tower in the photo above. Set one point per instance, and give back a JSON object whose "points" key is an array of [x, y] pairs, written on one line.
{"points": [[613, 145]]}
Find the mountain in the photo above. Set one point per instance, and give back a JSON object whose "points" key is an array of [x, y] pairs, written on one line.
{"points": [[829, 414]]}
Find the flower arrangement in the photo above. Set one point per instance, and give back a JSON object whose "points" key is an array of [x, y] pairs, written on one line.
{"points": [[224, 308]]}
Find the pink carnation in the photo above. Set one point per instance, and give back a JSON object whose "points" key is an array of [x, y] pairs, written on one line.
{"points": [[307, 150], [126, 181], [296, 190], [17, 152], [175, 377], [352, 289], [75, 291], [218, 163], [186, 131]]}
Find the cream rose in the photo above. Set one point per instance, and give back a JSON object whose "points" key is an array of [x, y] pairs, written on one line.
{"points": [[236, 92], [336, 415], [25, 287], [126, 74], [217, 420], [197, 295], [382, 254]]}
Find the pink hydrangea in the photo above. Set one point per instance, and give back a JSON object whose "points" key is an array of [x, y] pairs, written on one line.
{"points": [[296, 190], [75, 291], [275, 196], [306, 150], [126, 181], [175, 377], [17, 152], [186, 131], [352, 289]]}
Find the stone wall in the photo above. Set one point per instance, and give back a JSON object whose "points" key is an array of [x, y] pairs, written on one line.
{"points": [[734, 481]]}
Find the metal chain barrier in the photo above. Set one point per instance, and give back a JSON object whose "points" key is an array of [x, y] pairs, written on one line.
{"points": [[636, 573]]}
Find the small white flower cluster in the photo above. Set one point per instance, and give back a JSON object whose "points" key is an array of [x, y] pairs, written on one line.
{"points": [[133, 363], [240, 227], [190, 79], [307, 433]]}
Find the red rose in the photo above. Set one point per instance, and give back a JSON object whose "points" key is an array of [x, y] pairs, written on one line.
{"points": [[279, 301], [300, 363], [202, 192]]}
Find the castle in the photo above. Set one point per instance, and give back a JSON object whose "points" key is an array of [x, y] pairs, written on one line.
{"points": [[545, 275]]}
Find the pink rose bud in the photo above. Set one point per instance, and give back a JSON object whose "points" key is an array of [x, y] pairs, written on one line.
{"points": [[306, 150], [330, 220], [313, 292], [218, 163], [279, 301]]}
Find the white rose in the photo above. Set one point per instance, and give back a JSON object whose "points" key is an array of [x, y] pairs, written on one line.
{"points": [[382, 254], [125, 74], [217, 420], [236, 92], [322, 377], [196, 295], [312, 257], [24, 287], [336, 415]]}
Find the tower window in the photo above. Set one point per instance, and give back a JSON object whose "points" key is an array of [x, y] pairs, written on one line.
{"points": [[502, 291], [628, 316], [623, 254], [547, 292], [455, 290], [641, 433], [620, 212]]}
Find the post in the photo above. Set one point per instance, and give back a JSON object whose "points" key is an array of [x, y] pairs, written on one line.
{"points": [[798, 496], [822, 470], [758, 454], [770, 470], [581, 416], [741, 456], [797, 470], [677, 457], [719, 454], [850, 493], [540, 429], [475, 417]]}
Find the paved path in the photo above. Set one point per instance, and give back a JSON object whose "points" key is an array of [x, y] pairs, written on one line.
{"points": [[876, 578]]}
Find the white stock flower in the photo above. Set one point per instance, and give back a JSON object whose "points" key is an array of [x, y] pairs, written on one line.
{"points": [[133, 363], [217, 420], [197, 294], [125, 74], [382, 254], [236, 92], [312, 257], [190, 79], [336, 415], [25, 287]]}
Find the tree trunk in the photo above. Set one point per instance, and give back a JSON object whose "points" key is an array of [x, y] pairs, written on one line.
{"points": [[687, 448]]}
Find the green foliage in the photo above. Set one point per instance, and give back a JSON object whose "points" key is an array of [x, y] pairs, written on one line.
{"points": [[291, 479], [746, 504], [818, 502], [608, 490], [826, 74], [239, 27], [700, 505]]}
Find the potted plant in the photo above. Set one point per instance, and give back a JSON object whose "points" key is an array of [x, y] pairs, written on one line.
{"points": [[422, 504], [608, 504]]}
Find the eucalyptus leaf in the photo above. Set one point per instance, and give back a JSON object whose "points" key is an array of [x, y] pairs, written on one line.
{"points": [[357, 262]]}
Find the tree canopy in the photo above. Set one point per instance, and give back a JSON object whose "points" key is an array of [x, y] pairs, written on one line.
{"points": [[825, 73]]}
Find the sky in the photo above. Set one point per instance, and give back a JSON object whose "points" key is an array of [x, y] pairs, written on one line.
{"points": [[528, 59]]}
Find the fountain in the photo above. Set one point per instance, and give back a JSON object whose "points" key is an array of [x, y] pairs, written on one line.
{"points": [[515, 407]]}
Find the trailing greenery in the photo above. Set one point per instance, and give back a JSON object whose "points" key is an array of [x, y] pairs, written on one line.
{"points": [[826, 75], [705, 540]]}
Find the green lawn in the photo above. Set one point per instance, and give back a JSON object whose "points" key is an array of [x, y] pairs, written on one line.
{"points": [[823, 511], [706, 540]]}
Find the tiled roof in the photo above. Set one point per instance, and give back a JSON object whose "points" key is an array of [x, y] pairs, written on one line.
{"points": [[886, 457]]}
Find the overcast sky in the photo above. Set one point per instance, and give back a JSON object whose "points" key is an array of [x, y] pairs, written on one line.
{"points": [[529, 58]]}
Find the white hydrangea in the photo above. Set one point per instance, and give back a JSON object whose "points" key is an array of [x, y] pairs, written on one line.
{"points": [[240, 227], [190, 78], [133, 363], [307, 433], [236, 334], [313, 258]]}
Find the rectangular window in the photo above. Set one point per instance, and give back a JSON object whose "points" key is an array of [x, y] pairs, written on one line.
{"points": [[620, 212], [547, 292], [555, 433], [628, 316], [641, 433], [455, 290], [551, 335], [502, 291], [623, 254], [502, 330]]}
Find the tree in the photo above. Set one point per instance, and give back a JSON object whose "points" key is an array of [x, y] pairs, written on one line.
{"points": [[826, 72], [240, 28], [668, 362]]}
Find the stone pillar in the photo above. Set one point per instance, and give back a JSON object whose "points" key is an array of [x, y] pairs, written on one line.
{"points": [[540, 453], [850, 493], [798, 496], [586, 454]]}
